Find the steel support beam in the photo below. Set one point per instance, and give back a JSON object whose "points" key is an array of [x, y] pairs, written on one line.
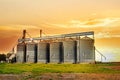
{"points": [[59, 36]]}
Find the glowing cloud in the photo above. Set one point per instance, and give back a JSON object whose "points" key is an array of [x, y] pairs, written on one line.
{"points": [[17, 27], [91, 23]]}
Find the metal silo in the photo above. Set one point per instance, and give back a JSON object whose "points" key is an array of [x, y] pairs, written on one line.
{"points": [[70, 51], [43, 52], [87, 54], [31, 52], [56, 52], [21, 53]]}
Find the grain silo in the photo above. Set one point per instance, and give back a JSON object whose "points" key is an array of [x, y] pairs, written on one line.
{"points": [[43, 52], [68, 48], [56, 52], [21, 53], [31, 52], [70, 51], [87, 54]]}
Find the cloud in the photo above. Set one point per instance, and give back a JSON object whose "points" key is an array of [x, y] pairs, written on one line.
{"points": [[103, 27], [108, 34], [91, 23], [17, 27], [103, 35], [16, 30]]}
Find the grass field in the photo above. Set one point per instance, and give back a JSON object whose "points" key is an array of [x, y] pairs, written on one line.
{"points": [[58, 68]]}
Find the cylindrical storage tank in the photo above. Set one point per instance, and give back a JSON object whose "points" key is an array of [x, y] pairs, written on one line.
{"points": [[70, 51], [31, 52], [21, 53], [56, 52], [87, 54], [43, 52]]}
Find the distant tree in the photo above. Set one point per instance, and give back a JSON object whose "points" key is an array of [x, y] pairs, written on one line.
{"points": [[2, 57]]}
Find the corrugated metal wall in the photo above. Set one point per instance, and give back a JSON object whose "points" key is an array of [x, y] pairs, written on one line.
{"points": [[21, 53], [87, 50], [56, 52], [70, 51], [43, 52], [31, 53]]}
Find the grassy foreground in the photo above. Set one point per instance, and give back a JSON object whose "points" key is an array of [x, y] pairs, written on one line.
{"points": [[57, 68]]}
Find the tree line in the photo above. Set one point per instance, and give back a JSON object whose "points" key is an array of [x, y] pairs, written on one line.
{"points": [[5, 58], [2, 57]]}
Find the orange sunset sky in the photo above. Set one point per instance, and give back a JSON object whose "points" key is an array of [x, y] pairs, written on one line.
{"points": [[60, 17]]}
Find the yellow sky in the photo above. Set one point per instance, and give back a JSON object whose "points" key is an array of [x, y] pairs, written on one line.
{"points": [[60, 17]]}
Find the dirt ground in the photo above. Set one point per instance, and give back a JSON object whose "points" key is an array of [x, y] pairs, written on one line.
{"points": [[62, 76], [80, 76]]}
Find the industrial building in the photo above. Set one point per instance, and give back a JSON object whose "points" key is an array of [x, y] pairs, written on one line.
{"points": [[65, 48]]}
